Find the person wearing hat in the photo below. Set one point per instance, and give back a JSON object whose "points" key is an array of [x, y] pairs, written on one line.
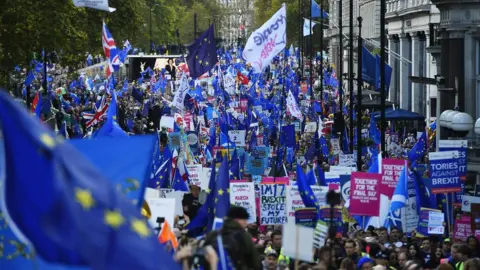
{"points": [[237, 241], [270, 260], [365, 263]]}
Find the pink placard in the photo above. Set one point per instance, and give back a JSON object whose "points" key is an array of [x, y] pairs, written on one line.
{"points": [[333, 186], [238, 180], [462, 228], [364, 194], [277, 180], [243, 104], [391, 170]]}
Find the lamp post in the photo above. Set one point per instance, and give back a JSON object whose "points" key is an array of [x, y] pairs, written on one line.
{"points": [[383, 122], [350, 73], [359, 94], [152, 6]]}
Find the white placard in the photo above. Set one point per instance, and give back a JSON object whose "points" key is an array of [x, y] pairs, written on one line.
{"points": [[194, 174], [435, 222], [267, 41], [347, 160], [320, 234], [165, 191], [335, 146], [297, 242], [343, 170], [181, 93], [272, 204], [167, 122], [151, 193], [98, 4], [310, 127], [467, 202], [243, 194], [237, 136], [294, 200], [161, 207], [229, 83]]}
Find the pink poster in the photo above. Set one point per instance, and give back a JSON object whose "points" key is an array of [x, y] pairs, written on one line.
{"points": [[391, 170], [462, 228], [364, 194], [275, 180], [243, 104]]}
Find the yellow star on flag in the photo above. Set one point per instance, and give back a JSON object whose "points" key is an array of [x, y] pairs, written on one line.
{"points": [[228, 190], [140, 227], [311, 197], [47, 140], [207, 191], [84, 198], [220, 192], [114, 219]]}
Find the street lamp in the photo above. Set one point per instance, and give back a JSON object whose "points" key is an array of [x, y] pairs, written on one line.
{"points": [[152, 6]]}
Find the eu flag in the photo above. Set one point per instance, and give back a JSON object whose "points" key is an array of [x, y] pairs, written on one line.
{"points": [[125, 161], [222, 191], [202, 54], [203, 220], [306, 192], [73, 215]]}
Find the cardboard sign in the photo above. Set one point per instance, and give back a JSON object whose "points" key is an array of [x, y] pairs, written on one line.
{"points": [[243, 194], [391, 170], [272, 204], [444, 172], [365, 195]]}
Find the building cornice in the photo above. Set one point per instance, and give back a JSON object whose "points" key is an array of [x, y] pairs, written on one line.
{"points": [[408, 11]]}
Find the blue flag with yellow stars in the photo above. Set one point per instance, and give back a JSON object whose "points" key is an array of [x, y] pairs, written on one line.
{"points": [[222, 191], [128, 153], [306, 192], [203, 220], [202, 54], [73, 214], [418, 150]]}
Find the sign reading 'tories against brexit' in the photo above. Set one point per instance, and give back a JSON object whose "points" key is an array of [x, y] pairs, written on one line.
{"points": [[444, 172]]}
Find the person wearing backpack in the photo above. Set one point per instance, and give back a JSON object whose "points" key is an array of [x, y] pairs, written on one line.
{"points": [[237, 241]]}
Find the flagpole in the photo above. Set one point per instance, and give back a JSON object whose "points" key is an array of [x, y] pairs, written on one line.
{"points": [[45, 84], [300, 34], [350, 73], [359, 94], [310, 53], [280, 126], [382, 75], [340, 63], [321, 50]]}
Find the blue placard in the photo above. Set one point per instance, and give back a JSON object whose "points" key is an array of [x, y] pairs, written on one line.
{"points": [[306, 217], [461, 147], [444, 172]]}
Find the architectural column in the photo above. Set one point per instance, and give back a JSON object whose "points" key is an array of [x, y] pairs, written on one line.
{"points": [[404, 72], [392, 60], [417, 67]]}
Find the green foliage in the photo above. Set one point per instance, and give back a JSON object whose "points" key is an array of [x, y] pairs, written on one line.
{"points": [[27, 26], [264, 9]]}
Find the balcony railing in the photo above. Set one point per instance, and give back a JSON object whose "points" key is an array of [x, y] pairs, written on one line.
{"points": [[400, 5]]}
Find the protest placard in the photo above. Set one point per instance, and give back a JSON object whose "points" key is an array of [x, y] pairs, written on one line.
{"points": [[444, 172], [435, 223], [195, 174], [335, 143], [423, 219], [365, 196], [347, 160], [391, 170], [294, 200], [306, 217], [461, 147], [237, 136], [462, 228], [325, 216], [272, 204], [243, 194]]}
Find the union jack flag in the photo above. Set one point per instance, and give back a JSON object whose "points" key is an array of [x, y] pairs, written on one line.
{"points": [[110, 50], [99, 115]]}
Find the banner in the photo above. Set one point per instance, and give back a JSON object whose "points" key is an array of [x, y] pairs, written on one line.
{"points": [[462, 228], [347, 160], [272, 204], [182, 91], [423, 220], [306, 217], [243, 194], [364, 196], [293, 107], [391, 170], [267, 41], [335, 143], [195, 174], [308, 27], [294, 200], [461, 147], [98, 4], [444, 172], [325, 216], [237, 137]]}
